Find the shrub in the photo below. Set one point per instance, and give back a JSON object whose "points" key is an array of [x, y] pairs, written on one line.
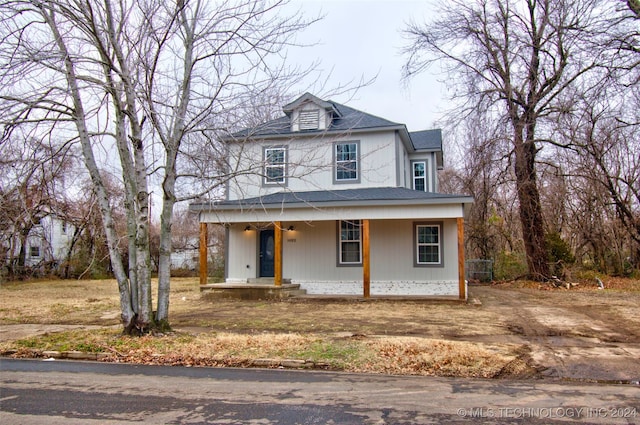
{"points": [[509, 265], [183, 272], [557, 249]]}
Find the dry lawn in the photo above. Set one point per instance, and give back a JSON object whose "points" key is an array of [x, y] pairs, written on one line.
{"points": [[390, 355], [376, 336]]}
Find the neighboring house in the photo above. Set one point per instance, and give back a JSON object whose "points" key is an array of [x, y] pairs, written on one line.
{"points": [[340, 202], [48, 242], [185, 258], [189, 258]]}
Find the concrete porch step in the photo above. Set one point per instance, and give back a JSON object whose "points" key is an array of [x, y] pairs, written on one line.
{"points": [[297, 292], [252, 291], [266, 281]]}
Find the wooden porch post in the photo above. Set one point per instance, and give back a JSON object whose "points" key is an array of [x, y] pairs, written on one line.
{"points": [[461, 283], [277, 276], [203, 253], [366, 259]]}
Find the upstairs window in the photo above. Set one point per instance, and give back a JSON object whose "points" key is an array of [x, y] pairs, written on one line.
{"points": [[349, 249], [275, 164], [347, 162], [428, 244], [34, 251], [309, 120], [420, 173]]}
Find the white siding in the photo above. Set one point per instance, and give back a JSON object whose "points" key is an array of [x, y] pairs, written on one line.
{"points": [[310, 252], [310, 165], [185, 259], [310, 259], [242, 258], [52, 242], [392, 266], [60, 240], [402, 163]]}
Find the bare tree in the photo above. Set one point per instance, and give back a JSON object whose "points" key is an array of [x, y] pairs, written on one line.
{"points": [[31, 184], [143, 78], [520, 61], [605, 170], [87, 253]]}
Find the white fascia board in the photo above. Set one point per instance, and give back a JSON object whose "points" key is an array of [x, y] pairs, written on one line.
{"points": [[388, 212], [315, 134], [452, 200]]}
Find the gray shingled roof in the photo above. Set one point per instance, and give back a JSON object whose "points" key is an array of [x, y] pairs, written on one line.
{"points": [[427, 139], [345, 197], [349, 119], [308, 97], [345, 119]]}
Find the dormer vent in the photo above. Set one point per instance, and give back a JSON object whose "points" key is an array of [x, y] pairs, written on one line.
{"points": [[310, 120], [310, 113]]}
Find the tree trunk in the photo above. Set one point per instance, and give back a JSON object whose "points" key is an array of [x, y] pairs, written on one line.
{"points": [[19, 268], [171, 142], [77, 232], [135, 173], [143, 257], [127, 314], [164, 262], [530, 208]]}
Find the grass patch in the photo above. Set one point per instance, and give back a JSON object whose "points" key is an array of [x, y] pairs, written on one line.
{"points": [[340, 354], [80, 340], [413, 356]]}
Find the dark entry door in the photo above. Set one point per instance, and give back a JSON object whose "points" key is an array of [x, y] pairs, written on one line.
{"points": [[267, 253]]}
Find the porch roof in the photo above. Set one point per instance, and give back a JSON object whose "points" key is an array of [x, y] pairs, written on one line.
{"points": [[379, 196]]}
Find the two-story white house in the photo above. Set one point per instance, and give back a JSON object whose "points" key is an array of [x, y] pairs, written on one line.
{"points": [[340, 202], [47, 243]]}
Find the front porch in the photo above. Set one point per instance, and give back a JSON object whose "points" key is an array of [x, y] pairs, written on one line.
{"points": [[394, 240], [303, 250]]}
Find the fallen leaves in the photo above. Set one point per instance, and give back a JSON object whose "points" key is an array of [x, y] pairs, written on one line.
{"points": [[424, 356], [368, 354]]}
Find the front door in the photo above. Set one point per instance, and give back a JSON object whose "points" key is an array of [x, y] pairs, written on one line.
{"points": [[267, 253]]}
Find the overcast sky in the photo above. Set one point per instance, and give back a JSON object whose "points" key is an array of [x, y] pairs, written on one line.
{"points": [[359, 39]]}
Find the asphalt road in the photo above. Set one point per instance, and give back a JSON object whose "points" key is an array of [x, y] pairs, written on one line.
{"points": [[60, 392]]}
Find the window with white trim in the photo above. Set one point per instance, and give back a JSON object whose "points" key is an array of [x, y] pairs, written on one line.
{"points": [[346, 162], [420, 176], [350, 245], [428, 244], [275, 164]]}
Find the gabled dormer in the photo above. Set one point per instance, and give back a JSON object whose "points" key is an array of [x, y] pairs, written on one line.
{"points": [[309, 113]]}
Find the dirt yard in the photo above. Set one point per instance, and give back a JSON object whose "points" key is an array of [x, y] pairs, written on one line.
{"points": [[584, 334]]}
